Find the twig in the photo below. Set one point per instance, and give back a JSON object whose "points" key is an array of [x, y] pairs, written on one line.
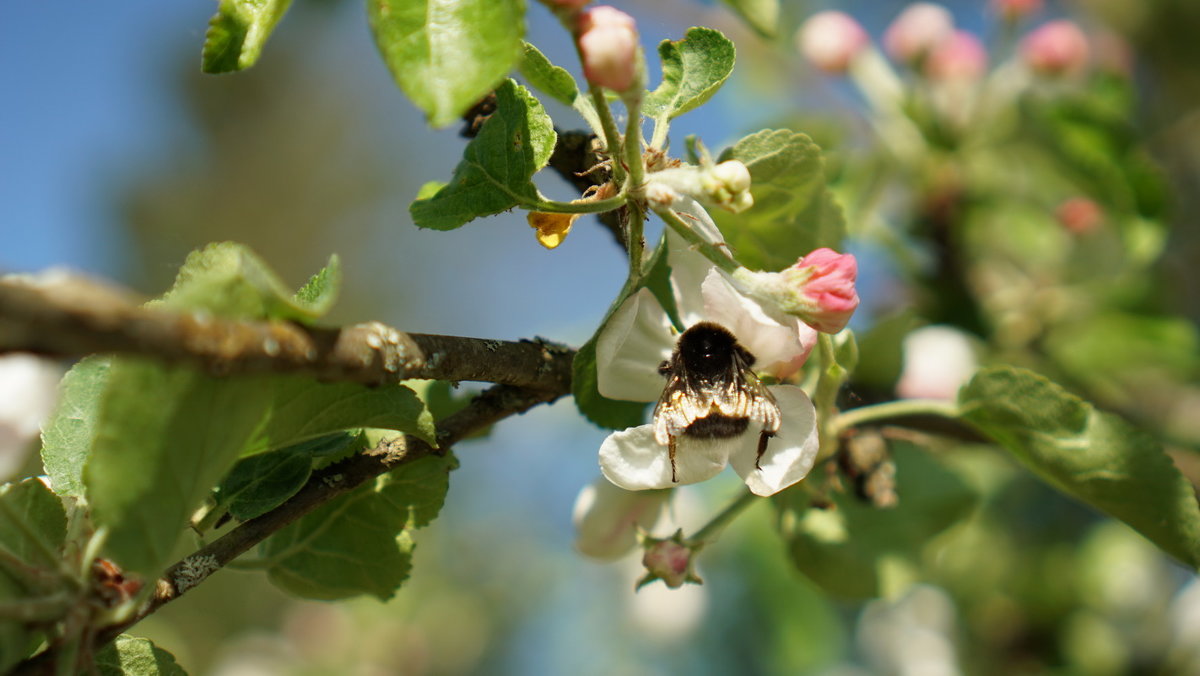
{"points": [[491, 406], [73, 317]]}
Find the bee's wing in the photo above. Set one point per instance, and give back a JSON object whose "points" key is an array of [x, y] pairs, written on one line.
{"points": [[678, 407], [746, 396]]}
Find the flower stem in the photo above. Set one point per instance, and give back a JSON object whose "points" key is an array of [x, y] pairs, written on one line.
{"points": [[712, 530], [612, 137], [712, 253], [581, 207], [830, 381], [892, 409], [636, 167]]}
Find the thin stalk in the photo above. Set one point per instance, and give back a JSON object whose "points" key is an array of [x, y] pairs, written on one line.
{"points": [[856, 417], [712, 530], [612, 137], [712, 253], [830, 381], [591, 207], [637, 172]]}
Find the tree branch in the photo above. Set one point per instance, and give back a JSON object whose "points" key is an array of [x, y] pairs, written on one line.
{"points": [[493, 405], [73, 317]]}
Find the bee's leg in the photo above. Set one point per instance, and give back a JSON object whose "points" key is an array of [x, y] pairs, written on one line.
{"points": [[671, 455], [762, 447]]}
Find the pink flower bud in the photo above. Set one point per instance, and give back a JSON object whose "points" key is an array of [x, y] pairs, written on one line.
{"points": [[819, 289], [1056, 48], [1012, 10], [1079, 215], [669, 560], [608, 42], [961, 57], [917, 30], [831, 41]]}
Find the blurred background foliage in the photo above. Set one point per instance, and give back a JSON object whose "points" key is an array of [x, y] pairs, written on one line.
{"points": [[313, 151]]}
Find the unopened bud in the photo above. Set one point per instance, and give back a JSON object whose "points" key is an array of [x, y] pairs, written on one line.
{"points": [[917, 30], [819, 289], [831, 41], [1056, 48], [959, 58], [608, 42], [1079, 215], [669, 560], [726, 185]]}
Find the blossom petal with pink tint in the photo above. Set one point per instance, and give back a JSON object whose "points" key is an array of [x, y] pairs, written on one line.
{"points": [[831, 40], [1056, 48], [961, 58], [780, 345], [917, 30], [608, 42]]}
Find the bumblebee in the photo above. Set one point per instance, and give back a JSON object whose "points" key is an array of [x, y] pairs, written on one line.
{"points": [[711, 392]]}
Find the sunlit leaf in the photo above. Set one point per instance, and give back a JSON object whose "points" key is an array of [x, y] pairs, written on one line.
{"points": [[131, 656], [67, 434], [761, 15], [1094, 456], [237, 33], [694, 68], [793, 213], [447, 54], [360, 542], [494, 174]]}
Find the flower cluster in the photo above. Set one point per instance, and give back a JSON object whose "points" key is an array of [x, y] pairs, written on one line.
{"points": [[923, 37], [773, 318]]}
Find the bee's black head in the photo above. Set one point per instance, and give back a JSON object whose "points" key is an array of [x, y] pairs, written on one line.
{"points": [[706, 349]]}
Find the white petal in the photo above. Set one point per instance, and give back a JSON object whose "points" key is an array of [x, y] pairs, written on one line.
{"points": [[633, 460], [607, 518], [636, 339], [688, 266], [696, 216], [780, 348], [790, 453]]}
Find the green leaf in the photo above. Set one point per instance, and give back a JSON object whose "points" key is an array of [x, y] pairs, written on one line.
{"points": [[494, 174], [848, 548], [761, 15], [229, 280], [68, 433], [360, 542], [301, 408], [260, 483], [447, 54], [33, 525], [33, 528], [547, 77], [694, 68], [237, 33], [794, 212], [321, 290], [131, 656], [1093, 456], [164, 438]]}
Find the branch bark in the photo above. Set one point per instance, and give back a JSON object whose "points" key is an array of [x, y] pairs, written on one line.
{"points": [[493, 405], [73, 317]]}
